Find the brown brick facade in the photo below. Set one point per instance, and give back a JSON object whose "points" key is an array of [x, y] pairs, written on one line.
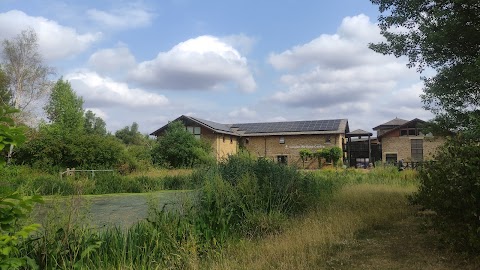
{"points": [[270, 146], [401, 145]]}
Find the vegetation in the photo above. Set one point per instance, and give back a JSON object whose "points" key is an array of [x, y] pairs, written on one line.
{"points": [[13, 207], [451, 188], [305, 154], [444, 36], [332, 154], [178, 148]]}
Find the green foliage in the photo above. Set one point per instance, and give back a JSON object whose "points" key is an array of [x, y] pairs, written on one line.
{"points": [[5, 93], [65, 109], [14, 208], [253, 196], [451, 187], [305, 154], [442, 35], [94, 125], [53, 150], [130, 135], [9, 134], [332, 154], [178, 148], [335, 154]]}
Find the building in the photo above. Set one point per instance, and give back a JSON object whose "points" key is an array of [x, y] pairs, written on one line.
{"points": [[279, 141], [403, 139]]}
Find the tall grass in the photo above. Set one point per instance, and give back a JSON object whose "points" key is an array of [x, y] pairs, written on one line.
{"points": [[310, 240], [246, 214], [33, 182]]}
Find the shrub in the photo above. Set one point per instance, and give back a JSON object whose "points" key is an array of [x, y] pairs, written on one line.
{"points": [[451, 187]]}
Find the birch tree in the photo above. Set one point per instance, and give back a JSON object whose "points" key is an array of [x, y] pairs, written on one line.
{"points": [[27, 72]]}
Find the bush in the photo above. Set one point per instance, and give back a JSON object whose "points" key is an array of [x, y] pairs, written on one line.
{"points": [[253, 196], [178, 148], [451, 187]]}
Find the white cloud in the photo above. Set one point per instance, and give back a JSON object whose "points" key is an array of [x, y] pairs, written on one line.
{"points": [[55, 41], [201, 63], [241, 42], [243, 112], [346, 48], [339, 72], [98, 112], [112, 61], [99, 91], [129, 17]]}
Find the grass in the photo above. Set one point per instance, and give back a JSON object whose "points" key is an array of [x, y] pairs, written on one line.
{"points": [[362, 220], [309, 241]]}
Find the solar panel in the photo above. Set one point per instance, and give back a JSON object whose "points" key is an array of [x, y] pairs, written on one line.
{"points": [[294, 126]]}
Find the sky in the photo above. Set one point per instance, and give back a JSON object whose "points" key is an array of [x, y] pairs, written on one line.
{"points": [[225, 61]]}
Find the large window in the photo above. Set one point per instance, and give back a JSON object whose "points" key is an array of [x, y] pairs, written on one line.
{"points": [[417, 149], [196, 131]]}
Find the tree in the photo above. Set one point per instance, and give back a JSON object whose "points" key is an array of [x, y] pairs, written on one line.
{"points": [[26, 70], [179, 148], [94, 124], [5, 95], [304, 155], [65, 109], [130, 135], [443, 35]]}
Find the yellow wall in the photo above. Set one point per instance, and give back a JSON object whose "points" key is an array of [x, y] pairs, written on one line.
{"points": [[402, 146], [270, 147]]}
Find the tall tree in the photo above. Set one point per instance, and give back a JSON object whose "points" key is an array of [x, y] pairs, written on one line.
{"points": [[94, 124], [443, 35], [64, 108], [28, 74], [130, 135], [5, 95]]}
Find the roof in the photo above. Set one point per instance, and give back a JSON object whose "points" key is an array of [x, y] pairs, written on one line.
{"points": [[217, 127], [359, 132], [392, 123], [292, 127], [416, 120], [270, 128]]}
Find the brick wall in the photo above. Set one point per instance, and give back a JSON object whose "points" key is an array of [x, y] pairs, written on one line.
{"points": [[221, 148], [270, 147], [401, 145]]}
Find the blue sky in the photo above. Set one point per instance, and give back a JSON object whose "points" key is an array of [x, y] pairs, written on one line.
{"points": [[225, 61]]}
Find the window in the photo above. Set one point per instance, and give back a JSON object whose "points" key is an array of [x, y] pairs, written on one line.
{"points": [[282, 140], [282, 159], [223, 138], [196, 131], [247, 140], [391, 158], [231, 139], [328, 139], [417, 149]]}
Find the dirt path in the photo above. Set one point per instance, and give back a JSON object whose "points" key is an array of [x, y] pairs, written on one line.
{"points": [[403, 245]]}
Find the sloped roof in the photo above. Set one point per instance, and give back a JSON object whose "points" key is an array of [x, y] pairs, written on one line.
{"points": [[392, 123], [416, 120], [292, 127], [359, 132], [270, 128]]}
